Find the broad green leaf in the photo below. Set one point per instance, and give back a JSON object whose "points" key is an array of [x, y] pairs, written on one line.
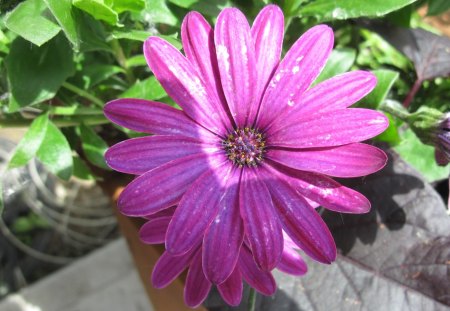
{"points": [[420, 156], [385, 80], [340, 61], [184, 3], [125, 5], [27, 22], [291, 6], [62, 11], [140, 35], [436, 7], [81, 170], [36, 73], [55, 152], [156, 11], [149, 89], [326, 10], [30, 143], [4, 43], [98, 9], [390, 135], [94, 146], [135, 61], [92, 34], [2, 204], [97, 73]]}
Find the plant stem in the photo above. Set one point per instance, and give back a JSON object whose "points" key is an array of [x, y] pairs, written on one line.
{"points": [[97, 101], [415, 88], [74, 110], [122, 60], [252, 300], [59, 122], [395, 109]]}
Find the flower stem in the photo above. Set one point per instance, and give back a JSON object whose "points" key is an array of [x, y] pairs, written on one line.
{"points": [[252, 300], [415, 88], [59, 122], [97, 101], [122, 60]]}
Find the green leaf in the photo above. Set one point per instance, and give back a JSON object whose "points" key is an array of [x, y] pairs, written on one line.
{"points": [[94, 146], [149, 89], [135, 61], [98, 9], [27, 22], [62, 11], [326, 10], [96, 73], [156, 11], [184, 3], [81, 170], [30, 143], [340, 61], [436, 7], [126, 5], [140, 35], [421, 157], [36, 73], [55, 152], [385, 80]]}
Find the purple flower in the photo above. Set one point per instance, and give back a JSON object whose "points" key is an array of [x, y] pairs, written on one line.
{"points": [[254, 146], [197, 285]]}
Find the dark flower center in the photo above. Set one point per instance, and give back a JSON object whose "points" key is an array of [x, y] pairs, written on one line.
{"points": [[245, 147]]}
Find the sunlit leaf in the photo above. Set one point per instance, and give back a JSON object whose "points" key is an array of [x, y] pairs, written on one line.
{"points": [[94, 146]]}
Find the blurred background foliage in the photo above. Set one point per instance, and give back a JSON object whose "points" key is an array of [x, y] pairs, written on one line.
{"points": [[62, 60]]}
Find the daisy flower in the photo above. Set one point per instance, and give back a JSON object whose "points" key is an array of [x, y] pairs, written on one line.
{"points": [[254, 147]]}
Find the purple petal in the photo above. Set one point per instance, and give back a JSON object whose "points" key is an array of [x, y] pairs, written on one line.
{"points": [[262, 281], [154, 231], [236, 59], [267, 33], [231, 289], [261, 223], [299, 68], [336, 93], [328, 129], [223, 239], [152, 117], [139, 155], [324, 190], [291, 262], [198, 44], [197, 286], [300, 221], [351, 160], [197, 209], [169, 267], [164, 213], [182, 83], [163, 186]]}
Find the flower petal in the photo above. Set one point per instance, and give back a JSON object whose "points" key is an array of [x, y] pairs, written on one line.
{"points": [[197, 209], [236, 59], [139, 155], [324, 190], [168, 267], [197, 286], [261, 223], [198, 45], [351, 160], [299, 68], [154, 231], [301, 222], [336, 93], [291, 262], [154, 118], [163, 213], [223, 238], [267, 33], [158, 189], [231, 289], [182, 83], [328, 129], [260, 280]]}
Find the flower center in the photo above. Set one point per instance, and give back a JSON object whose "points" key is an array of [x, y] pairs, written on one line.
{"points": [[244, 147]]}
